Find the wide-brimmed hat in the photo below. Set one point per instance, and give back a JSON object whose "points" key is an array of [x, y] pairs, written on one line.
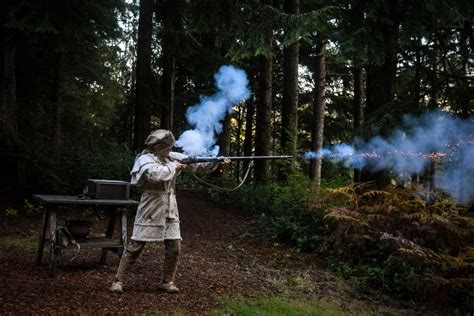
{"points": [[159, 139]]}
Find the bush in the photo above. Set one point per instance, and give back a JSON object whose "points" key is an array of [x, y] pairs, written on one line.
{"points": [[281, 213], [273, 199], [400, 241], [65, 170]]}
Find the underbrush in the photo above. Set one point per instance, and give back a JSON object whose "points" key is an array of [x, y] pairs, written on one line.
{"points": [[65, 170], [17, 244], [407, 241]]}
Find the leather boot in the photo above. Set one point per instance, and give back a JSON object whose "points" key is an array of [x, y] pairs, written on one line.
{"points": [[172, 253]]}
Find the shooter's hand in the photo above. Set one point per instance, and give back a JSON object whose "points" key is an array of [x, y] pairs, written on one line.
{"points": [[178, 165]]}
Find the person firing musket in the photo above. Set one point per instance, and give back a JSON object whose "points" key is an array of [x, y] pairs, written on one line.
{"points": [[157, 219]]}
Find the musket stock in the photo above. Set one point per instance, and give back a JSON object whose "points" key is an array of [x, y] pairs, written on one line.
{"points": [[190, 160]]}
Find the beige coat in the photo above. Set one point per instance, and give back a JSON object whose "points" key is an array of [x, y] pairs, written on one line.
{"points": [[157, 215]]}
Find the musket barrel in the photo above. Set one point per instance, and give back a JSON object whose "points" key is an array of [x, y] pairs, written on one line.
{"points": [[232, 158], [241, 158]]}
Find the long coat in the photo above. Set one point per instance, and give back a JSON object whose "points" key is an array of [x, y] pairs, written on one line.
{"points": [[157, 215]]}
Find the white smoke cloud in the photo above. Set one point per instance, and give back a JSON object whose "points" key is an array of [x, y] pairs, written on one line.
{"points": [[206, 116], [408, 151]]}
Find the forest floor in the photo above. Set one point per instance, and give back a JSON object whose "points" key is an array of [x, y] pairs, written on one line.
{"points": [[221, 257]]}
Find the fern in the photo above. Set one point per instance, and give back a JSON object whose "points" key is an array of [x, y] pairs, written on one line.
{"points": [[374, 194], [417, 236]]}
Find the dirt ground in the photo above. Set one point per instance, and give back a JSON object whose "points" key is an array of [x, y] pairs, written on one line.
{"points": [[221, 257]]}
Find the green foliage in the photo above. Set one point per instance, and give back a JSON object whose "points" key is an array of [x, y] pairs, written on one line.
{"points": [[281, 212], [341, 268], [65, 170], [276, 306], [68, 84], [28, 209], [33, 209], [186, 180], [18, 242], [11, 212], [303, 231], [273, 197], [249, 24]]}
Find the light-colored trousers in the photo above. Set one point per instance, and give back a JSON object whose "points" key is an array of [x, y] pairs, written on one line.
{"points": [[134, 248]]}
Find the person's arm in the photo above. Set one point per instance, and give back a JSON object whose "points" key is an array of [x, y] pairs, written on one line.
{"points": [[202, 167], [158, 173], [146, 164]]}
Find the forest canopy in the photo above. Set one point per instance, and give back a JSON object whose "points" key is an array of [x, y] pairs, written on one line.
{"points": [[84, 82]]}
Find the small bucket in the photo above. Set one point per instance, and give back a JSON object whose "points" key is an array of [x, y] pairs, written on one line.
{"points": [[79, 229]]}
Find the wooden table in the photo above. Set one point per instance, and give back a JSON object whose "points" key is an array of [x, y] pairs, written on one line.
{"points": [[54, 203]]}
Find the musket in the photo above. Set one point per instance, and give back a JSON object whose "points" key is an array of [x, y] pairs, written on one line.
{"points": [[190, 160]]}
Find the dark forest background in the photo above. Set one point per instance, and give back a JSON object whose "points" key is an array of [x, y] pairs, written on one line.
{"points": [[83, 82]]}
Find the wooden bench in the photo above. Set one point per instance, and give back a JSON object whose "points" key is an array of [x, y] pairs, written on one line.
{"points": [[54, 203]]}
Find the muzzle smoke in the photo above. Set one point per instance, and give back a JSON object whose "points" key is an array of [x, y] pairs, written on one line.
{"points": [[206, 116], [409, 151]]}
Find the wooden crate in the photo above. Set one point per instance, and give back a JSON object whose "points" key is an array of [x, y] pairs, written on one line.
{"points": [[108, 189]]}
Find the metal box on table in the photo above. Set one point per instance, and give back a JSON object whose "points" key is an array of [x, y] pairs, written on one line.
{"points": [[108, 189]]}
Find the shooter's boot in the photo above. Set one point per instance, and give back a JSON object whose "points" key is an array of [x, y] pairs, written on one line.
{"points": [[133, 250], [172, 252], [169, 287], [117, 287]]}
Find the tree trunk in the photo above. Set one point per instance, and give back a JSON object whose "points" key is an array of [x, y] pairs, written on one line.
{"points": [[417, 81], [56, 101], [249, 119], [263, 132], [289, 111], [380, 87], [357, 20], [224, 143], [238, 136], [358, 110], [466, 54], [168, 86], [143, 89], [172, 24], [433, 79], [8, 116], [224, 139], [381, 78], [317, 132]]}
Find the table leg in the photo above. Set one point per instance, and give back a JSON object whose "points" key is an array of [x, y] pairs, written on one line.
{"points": [[44, 227], [123, 225], [109, 234], [53, 262]]}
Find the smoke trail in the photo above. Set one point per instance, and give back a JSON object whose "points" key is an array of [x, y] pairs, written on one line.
{"points": [[206, 116], [410, 151]]}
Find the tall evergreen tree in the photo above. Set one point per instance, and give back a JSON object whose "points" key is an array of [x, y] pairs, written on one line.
{"points": [[289, 112], [319, 107], [143, 94], [385, 22], [170, 13], [263, 131], [8, 106]]}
